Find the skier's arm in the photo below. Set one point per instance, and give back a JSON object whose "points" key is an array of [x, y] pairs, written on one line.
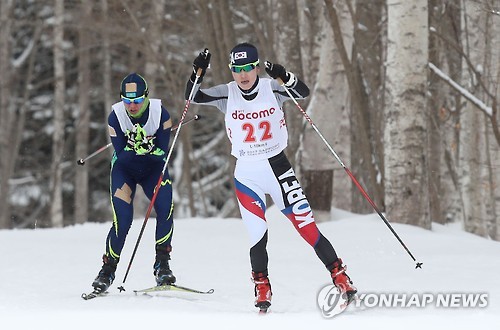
{"points": [[295, 86], [161, 137], [118, 138], [300, 91], [215, 96]]}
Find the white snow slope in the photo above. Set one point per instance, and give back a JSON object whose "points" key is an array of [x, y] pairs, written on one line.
{"points": [[43, 272]]}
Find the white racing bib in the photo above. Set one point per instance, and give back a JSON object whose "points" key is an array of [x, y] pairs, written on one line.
{"points": [[256, 128], [151, 125]]}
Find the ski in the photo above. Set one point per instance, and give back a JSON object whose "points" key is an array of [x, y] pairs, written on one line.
{"points": [[349, 305], [264, 307], [348, 300], [172, 287], [160, 288], [264, 310], [93, 294]]}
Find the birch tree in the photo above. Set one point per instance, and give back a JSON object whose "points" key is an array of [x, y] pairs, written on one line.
{"points": [[406, 185]]}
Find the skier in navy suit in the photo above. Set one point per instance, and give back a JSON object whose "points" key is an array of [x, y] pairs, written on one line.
{"points": [[139, 128]]}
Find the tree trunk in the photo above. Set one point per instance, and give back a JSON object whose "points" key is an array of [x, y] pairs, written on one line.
{"points": [[56, 203], [444, 107], [106, 73], [405, 136], [363, 159], [434, 123], [288, 39], [5, 113], [81, 202], [473, 143], [327, 102], [368, 70]]}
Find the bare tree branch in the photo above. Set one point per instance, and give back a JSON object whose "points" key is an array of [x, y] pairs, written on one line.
{"points": [[488, 111]]}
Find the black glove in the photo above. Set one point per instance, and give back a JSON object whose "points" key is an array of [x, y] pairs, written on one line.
{"points": [[276, 71], [201, 62]]}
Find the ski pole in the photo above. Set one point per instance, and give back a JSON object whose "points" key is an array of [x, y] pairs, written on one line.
{"points": [[82, 161], [349, 173], [160, 179]]}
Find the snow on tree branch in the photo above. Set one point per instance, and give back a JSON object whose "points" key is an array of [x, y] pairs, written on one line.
{"points": [[464, 92]]}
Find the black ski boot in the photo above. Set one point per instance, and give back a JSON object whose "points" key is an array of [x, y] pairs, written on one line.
{"points": [[107, 274], [162, 272]]}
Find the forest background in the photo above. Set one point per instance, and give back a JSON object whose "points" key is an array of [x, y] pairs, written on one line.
{"points": [[406, 92]]}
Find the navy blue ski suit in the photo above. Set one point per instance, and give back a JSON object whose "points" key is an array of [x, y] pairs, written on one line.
{"points": [[128, 170]]}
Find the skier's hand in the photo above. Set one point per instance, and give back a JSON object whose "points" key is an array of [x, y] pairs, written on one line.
{"points": [[276, 71], [202, 61], [130, 134], [138, 141], [145, 146]]}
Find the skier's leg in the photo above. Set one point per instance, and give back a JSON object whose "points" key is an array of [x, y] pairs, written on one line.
{"points": [[252, 208], [288, 195], [122, 190], [164, 208], [251, 201]]}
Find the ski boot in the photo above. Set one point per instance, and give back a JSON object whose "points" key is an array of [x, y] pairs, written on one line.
{"points": [[106, 275], [162, 272], [342, 281], [262, 291]]}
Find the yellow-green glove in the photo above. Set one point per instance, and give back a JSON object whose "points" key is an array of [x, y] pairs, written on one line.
{"points": [[138, 141]]}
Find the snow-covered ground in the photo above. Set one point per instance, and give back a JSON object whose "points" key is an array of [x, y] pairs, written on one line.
{"points": [[44, 272]]}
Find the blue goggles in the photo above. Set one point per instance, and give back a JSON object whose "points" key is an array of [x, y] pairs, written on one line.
{"points": [[246, 67], [137, 100]]}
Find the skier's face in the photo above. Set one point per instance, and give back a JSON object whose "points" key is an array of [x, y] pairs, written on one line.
{"points": [[246, 80], [133, 106]]}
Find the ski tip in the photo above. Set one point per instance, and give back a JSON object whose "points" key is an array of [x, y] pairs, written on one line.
{"points": [[263, 307], [93, 294], [264, 311]]}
